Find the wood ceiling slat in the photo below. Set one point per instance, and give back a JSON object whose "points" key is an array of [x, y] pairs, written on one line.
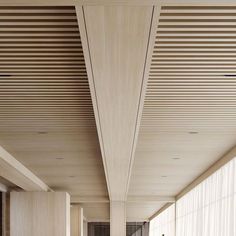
{"points": [[189, 49], [41, 44], [192, 62], [30, 23], [205, 23], [36, 11], [34, 16], [29, 38], [193, 44], [44, 54], [34, 59], [32, 63], [40, 73], [39, 66], [199, 11]]}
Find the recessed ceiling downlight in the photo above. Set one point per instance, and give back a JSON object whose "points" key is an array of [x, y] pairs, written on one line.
{"points": [[193, 132], [4, 75], [42, 132], [230, 75]]}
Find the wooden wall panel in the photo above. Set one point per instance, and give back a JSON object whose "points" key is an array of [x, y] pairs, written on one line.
{"points": [[39, 213]]}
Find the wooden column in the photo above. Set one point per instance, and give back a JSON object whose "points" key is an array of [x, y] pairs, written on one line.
{"points": [[85, 229], [39, 213], [77, 221], [118, 218]]}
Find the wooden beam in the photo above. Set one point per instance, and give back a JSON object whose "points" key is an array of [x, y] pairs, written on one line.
{"points": [[147, 66], [95, 220], [161, 210], [116, 56], [89, 199], [141, 199], [3, 188], [150, 199], [15, 172], [84, 40]]}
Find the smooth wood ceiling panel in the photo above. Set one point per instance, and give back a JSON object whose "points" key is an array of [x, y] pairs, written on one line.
{"points": [[46, 113], [189, 116], [135, 212], [140, 212]]}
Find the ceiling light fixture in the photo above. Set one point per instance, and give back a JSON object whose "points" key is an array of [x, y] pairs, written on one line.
{"points": [[163, 176], [2, 75], [230, 75], [59, 158], [42, 132], [193, 132], [176, 158]]}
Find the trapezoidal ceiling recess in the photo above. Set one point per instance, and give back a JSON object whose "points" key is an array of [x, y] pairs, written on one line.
{"points": [[189, 115], [46, 114]]}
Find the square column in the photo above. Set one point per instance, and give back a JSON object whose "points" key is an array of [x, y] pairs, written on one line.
{"points": [[77, 221], [118, 218], [39, 213]]}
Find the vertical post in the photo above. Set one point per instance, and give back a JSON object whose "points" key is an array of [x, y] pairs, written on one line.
{"points": [[5, 214], [85, 229], [118, 218], [39, 213], [81, 221], [77, 221]]}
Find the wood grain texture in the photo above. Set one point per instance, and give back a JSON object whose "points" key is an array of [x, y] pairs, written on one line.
{"points": [[77, 220], [12, 170], [118, 218], [38, 213], [118, 61]]}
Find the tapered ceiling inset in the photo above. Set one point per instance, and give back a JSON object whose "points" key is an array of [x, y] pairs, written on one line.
{"points": [[118, 39]]}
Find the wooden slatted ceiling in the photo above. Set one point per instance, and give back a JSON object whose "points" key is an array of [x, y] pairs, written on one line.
{"points": [[190, 82], [46, 113], [42, 69], [189, 116]]}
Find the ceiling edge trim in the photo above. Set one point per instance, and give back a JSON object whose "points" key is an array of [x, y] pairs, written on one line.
{"points": [[88, 62]]}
